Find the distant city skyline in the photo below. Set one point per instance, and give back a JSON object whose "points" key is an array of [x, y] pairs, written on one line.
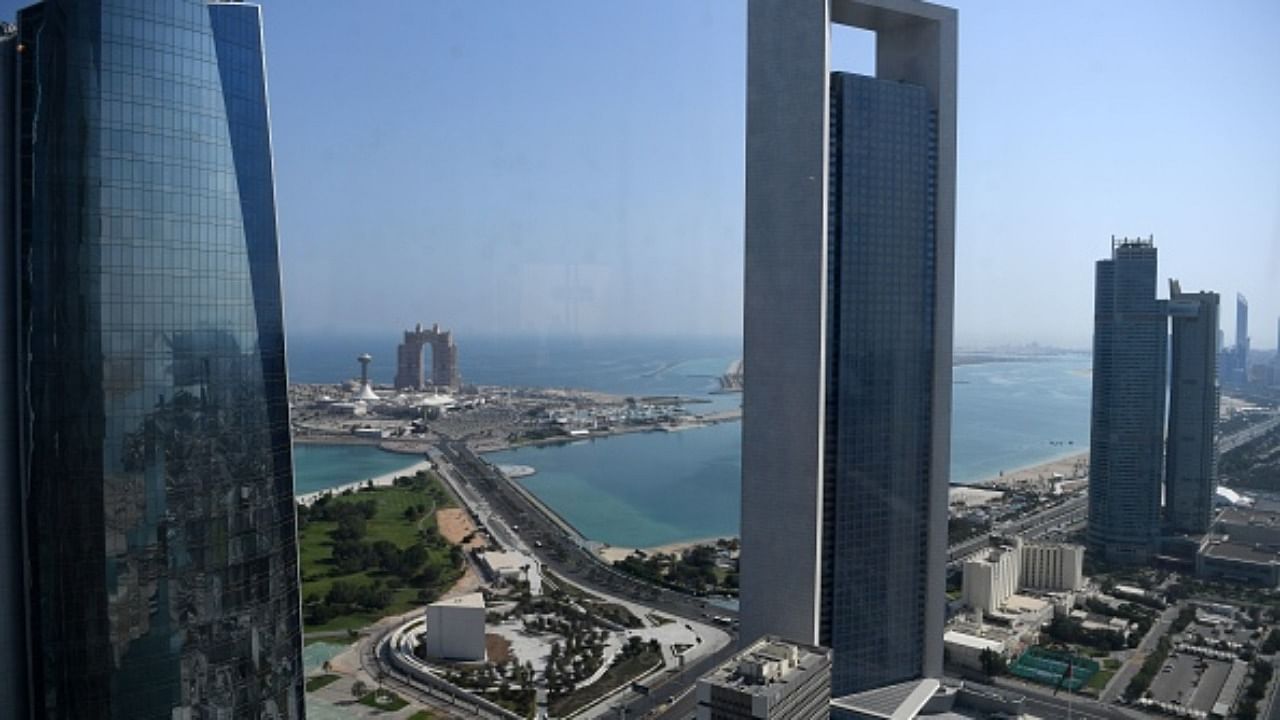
{"points": [[565, 178]]}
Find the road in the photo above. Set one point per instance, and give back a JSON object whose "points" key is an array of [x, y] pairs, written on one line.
{"points": [[1126, 672], [1069, 512], [1240, 437], [521, 524], [1043, 703]]}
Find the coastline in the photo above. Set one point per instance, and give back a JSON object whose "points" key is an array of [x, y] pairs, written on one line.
{"points": [[1073, 466], [384, 480], [611, 554]]}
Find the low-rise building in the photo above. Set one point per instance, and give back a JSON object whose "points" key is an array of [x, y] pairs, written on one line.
{"points": [[772, 678], [1243, 546], [504, 566], [965, 649], [455, 628]]}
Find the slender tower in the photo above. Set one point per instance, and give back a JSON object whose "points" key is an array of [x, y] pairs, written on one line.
{"points": [[1242, 339], [1126, 461], [154, 451], [848, 313]]}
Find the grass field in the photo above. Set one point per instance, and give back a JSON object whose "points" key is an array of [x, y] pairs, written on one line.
{"points": [[620, 673], [315, 682], [389, 523]]}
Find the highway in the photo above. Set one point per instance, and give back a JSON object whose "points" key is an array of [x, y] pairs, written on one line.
{"points": [[520, 524], [1253, 432], [1069, 513]]}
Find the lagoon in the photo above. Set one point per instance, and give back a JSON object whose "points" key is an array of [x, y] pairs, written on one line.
{"points": [[319, 467]]}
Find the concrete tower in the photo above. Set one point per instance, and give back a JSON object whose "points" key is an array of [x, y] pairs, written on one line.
{"points": [[1190, 450], [364, 360], [366, 390], [848, 317], [1126, 439]]}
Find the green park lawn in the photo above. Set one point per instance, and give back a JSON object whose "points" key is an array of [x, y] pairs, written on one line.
{"points": [[439, 571]]}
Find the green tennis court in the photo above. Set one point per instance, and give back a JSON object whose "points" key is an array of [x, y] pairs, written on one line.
{"points": [[1048, 666]]}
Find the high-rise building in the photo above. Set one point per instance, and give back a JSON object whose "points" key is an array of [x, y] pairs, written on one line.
{"points": [[1191, 450], [848, 318], [1242, 337], [1126, 439], [152, 454]]}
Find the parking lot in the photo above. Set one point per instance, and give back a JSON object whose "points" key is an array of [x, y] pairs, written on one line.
{"points": [[1192, 681]]}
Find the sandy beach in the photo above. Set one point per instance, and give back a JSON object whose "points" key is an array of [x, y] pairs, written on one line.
{"points": [[612, 554], [1039, 477]]}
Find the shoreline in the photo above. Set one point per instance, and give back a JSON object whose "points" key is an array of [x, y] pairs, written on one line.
{"points": [[384, 480], [613, 553], [1073, 466]]}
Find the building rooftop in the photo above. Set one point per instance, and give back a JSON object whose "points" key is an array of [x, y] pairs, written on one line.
{"points": [[1249, 516], [770, 667], [505, 560], [471, 600], [973, 642], [1241, 551], [1023, 604], [892, 702]]}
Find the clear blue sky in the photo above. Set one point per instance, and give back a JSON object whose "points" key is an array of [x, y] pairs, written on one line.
{"points": [[577, 166]]}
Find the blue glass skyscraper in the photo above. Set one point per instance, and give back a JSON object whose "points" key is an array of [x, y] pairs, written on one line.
{"points": [[877, 474], [1126, 437], [154, 459]]}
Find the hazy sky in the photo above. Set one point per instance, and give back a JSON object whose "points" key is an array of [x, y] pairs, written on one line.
{"points": [[577, 165]]}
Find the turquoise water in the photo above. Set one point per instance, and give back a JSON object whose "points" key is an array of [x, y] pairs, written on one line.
{"points": [[318, 467], [649, 489], [641, 489], [315, 655], [652, 488]]}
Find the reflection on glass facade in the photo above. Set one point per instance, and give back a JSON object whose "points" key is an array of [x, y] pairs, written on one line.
{"points": [[155, 448], [880, 360], [1126, 434]]}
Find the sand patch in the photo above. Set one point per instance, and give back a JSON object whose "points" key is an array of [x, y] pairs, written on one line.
{"points": [[497, 648], [455, 525]]}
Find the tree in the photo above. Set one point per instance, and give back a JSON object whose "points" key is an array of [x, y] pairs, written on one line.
{"points": [[993, 663], [359, 689]]}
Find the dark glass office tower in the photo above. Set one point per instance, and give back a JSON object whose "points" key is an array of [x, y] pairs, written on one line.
{"points": [[1126, 439], [880, 350], [154, 448], [1191, 460]]}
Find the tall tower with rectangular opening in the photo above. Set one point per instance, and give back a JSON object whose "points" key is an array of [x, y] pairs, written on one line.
{"points": [[848, 321]]}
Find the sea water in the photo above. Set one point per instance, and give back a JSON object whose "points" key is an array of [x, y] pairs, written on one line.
{"points": [[647, 489], [319, 467]]}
